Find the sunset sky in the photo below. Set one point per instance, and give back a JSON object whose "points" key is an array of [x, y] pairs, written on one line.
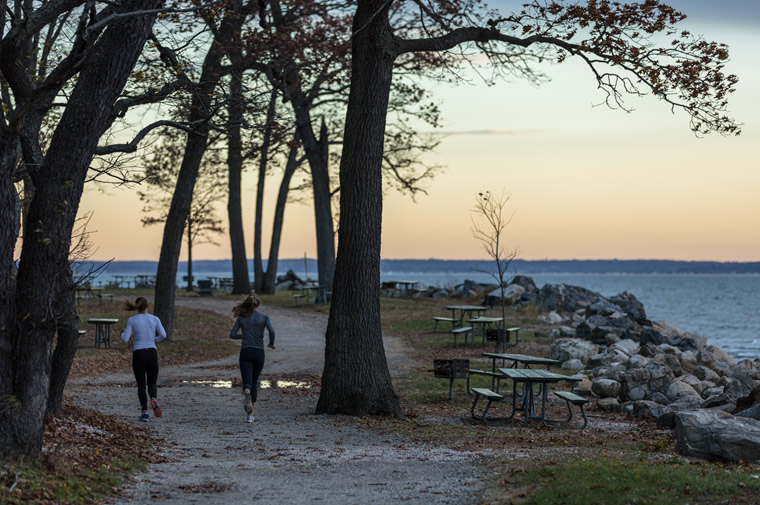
{"points": [[586, 182]]}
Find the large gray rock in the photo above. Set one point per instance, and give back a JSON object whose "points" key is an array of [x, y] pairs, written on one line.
{"points": [[679, 389], [711, 356], [605, 388], [565, 297], [715, 434], [564, 349], [631, 306]]}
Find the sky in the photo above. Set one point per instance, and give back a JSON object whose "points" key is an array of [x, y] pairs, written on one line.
{"points": [[585, 182]]}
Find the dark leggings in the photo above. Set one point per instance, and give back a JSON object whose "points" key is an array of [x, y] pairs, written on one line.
{"points": [[251, 364], [145, 365]]}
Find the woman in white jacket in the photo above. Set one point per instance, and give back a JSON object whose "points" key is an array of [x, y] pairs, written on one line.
{"points": [[146, 330]]}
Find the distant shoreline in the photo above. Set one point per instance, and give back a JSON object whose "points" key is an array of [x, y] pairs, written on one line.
{"points": [[523, 267]]}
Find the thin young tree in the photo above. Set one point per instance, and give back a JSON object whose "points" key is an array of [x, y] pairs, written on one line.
{"points": [[492, 235]]}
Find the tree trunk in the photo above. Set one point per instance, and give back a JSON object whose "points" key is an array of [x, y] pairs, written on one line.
{"points": [[270, 278], [258, 268], [356, 379], [166, 274], [317, 154], [189, 254], [200, 108], [65, 350], [241, 283], [43, 269]]}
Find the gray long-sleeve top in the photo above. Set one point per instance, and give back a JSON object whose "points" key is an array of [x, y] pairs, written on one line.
{"points": [[253, 330]]}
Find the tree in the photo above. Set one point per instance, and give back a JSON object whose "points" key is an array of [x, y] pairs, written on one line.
{"points": [[492, 237], [38, 303], [617, 42], [161, 175]]}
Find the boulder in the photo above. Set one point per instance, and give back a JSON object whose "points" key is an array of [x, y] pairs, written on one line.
{"points": [[688, 361], [752, 412], [564, 349], [565, 297], [603, 307], [605, 388], [679, 389], [645, 408], [608, 404], [715, 434], [573, 365], [650, 335], [710, 356], [526, 282], [631, 306]]}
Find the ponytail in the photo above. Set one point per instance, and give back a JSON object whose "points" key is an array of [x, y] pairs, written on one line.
{"points": [[141, 303], [246, 307]]}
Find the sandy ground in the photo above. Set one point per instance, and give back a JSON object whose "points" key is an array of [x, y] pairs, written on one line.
{"points": [[289, 454]]}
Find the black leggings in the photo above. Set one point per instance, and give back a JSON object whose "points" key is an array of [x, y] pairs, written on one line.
{"points": [[251, 364], [145, 365]]}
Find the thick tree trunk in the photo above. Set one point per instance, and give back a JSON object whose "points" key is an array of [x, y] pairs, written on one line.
{"points": [[258, 267], [270, 277], [356, 379], [241, 284], [43, 269], [317, 154], [65, 349]]}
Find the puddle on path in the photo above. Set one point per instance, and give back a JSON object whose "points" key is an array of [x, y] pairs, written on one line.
{"points": [[263, 384]]}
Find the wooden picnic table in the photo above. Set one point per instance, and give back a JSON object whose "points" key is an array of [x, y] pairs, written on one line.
{"points": [[102, 330], [528, 377], [484, 322]]}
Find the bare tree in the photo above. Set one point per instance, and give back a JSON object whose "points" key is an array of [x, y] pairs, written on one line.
{"points": [[492, 236]]}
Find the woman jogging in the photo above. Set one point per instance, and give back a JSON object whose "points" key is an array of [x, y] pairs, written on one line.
{"points": [[252, 324], [146, 330]]}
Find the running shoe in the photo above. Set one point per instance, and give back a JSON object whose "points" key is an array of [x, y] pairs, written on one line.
{"points": [[144, 418], [247, 403], [249, 419], [156, 408]]}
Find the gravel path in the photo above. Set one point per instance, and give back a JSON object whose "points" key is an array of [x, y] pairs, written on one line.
{"points": [[288, 455]]}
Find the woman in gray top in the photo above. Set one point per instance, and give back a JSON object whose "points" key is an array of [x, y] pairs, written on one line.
{"points": [[251, 323]]}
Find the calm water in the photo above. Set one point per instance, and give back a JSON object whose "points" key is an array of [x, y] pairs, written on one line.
{"points": [[724, 308]]}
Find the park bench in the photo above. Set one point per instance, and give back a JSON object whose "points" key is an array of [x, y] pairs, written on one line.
{"points": [[104, 295], [489, 396], [298, 299], [451, 369], [571, 399], [495, 375], [439, 319], [457, 331]]}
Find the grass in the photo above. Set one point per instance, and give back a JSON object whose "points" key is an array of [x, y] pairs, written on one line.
{"points": [[640, 480]]}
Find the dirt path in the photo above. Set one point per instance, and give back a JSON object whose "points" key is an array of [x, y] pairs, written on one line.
{"points": [[288, 455]]}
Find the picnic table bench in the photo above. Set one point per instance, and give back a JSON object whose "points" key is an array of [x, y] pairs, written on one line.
{"points": [[490, 398], [440, 319], [571, 399], [457, 331]]}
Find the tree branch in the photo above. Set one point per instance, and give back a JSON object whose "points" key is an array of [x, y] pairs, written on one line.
{"points": [[132, 146]]}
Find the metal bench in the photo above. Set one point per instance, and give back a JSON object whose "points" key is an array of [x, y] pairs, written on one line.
{"points": [[494, 375], [466, 330], [489, 396], [570, 399], [438, 319]]}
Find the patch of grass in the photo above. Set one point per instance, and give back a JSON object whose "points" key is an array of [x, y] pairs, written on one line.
{"points": [[199, 335], [643, 480]]}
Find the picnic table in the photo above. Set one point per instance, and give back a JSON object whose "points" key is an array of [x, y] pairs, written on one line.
{"points": [[484, 322], [315, 294], [528, 378], [516, 359], [464, 310], [102, 330]]}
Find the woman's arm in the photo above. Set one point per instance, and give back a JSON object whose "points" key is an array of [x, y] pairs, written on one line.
{"points": [[234, 332], [127, 331], [270, 330], [160, 330]]}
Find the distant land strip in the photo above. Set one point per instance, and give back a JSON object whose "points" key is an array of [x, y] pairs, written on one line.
{"points": [[517, 266]]}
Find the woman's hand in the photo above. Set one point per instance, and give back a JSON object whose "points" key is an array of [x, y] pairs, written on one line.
{"points": [[271, 346]]}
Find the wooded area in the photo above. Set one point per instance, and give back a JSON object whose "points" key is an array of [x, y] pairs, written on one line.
{"points": [[274, 86]]}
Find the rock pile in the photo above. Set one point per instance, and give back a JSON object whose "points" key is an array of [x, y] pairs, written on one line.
{"points": [[655, 369]]}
